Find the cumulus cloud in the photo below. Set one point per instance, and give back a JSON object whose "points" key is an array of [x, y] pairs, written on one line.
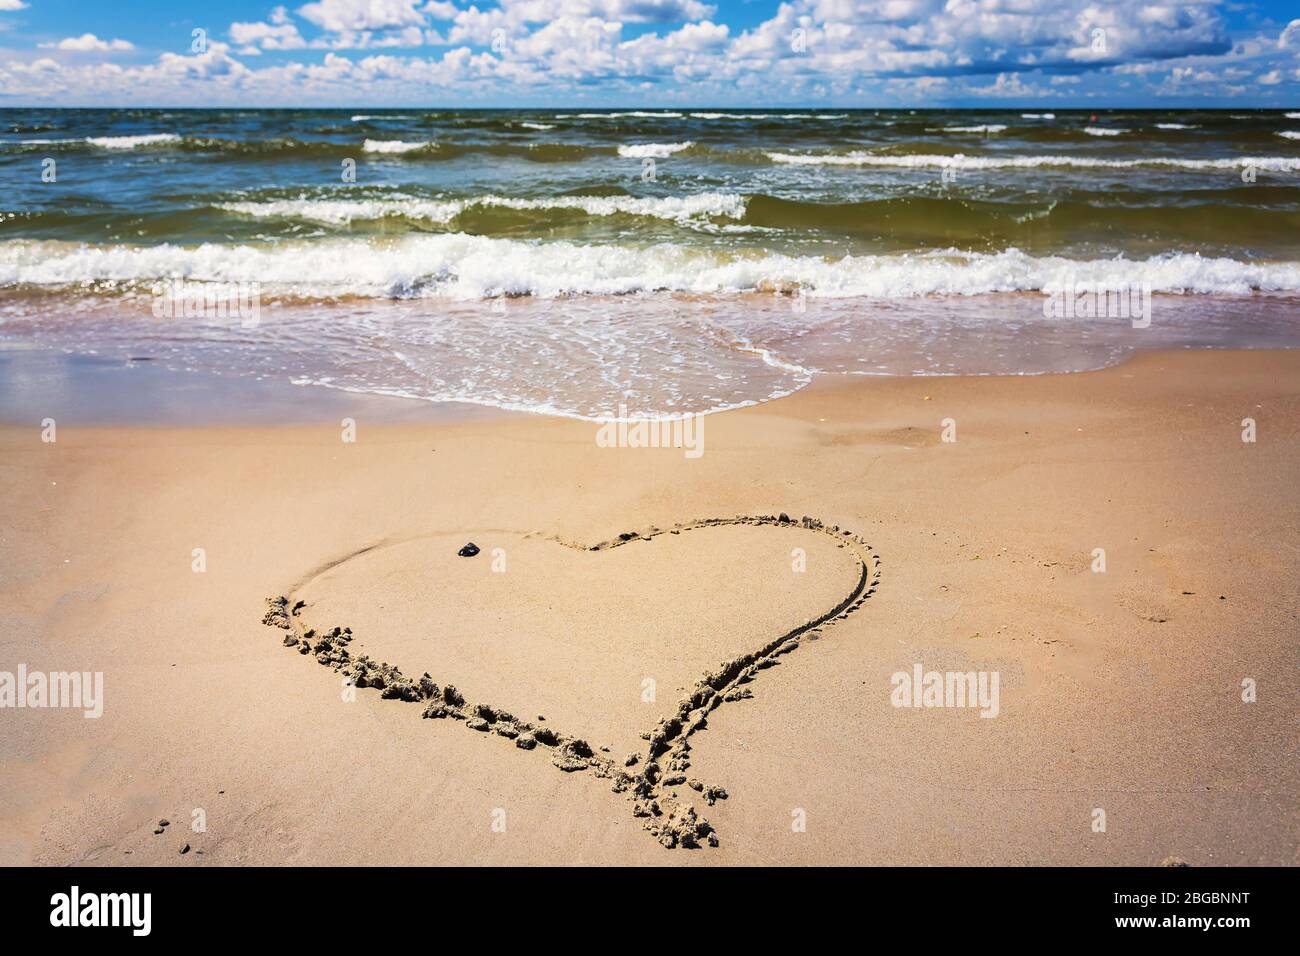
{"points": [[88, 43], [339, 16], [845, 50], [1290, 36]]}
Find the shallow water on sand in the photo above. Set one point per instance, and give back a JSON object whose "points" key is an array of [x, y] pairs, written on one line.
{"points": [[627, 356]]}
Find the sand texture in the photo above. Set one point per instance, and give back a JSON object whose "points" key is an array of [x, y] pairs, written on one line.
{"points": [[661, 660]]}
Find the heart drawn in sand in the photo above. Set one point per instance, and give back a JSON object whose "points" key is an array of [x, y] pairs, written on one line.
{"points": [[605, 631]]}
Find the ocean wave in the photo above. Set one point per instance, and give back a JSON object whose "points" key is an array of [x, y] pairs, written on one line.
{"points": [[541, 126], [103, 142], [132, 142], [652, 150], [393, 146], [680, 209], [1038, 116], [1175, 126], [459, 266], [1289, 134], [962, 161], [362, 117], [989, 128], [769, 116], [44, 142], [1104, 131], [633, 114]]}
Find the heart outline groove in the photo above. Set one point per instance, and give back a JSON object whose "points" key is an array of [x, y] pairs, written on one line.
{"points": [[646, 780]]}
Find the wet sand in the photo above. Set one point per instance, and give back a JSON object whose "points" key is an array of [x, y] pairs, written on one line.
{"points": [[1120, 691]]}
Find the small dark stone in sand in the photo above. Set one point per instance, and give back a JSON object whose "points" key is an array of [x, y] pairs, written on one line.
{"points": [[185, 848], [525, 742], [157, 830], [468, 551], [164, 823]]}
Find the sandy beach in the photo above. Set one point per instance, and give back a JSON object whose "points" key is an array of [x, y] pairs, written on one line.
{"points": [[1120, 690]]}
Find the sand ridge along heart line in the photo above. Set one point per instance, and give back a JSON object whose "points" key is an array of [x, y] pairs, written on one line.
{"points": [[647, 779]]}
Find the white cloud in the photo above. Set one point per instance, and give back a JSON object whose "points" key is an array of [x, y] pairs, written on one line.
{"points": [[338, 16], [846, 51], [10, 5], [276, 35], [1290, 36], [89, 43]]}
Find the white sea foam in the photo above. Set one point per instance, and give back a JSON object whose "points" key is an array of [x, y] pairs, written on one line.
{"points": [[1175, 126], [392, 146], [652, 150], [639, 114], [1038, 116], [1293, 115], [131, 142], [989, 128], [1104, 130], [362, 117], [459, 266], [962, 161], [680, 209], [542, 126], [1289, 134], [343, 211]]}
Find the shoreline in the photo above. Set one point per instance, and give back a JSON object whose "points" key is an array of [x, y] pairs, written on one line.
{"points": [[95, 391], [1119, 691]]}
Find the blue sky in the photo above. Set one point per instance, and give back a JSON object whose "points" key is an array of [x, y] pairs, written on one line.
{"points": [[870, 53]]}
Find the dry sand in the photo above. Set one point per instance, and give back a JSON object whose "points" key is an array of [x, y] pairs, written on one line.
{"points": [[1119, 691]]}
